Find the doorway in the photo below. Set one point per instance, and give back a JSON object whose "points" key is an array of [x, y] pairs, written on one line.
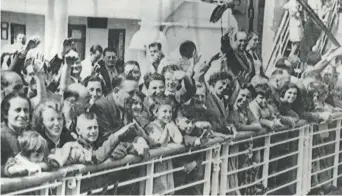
{"points": [[78, 33], [116, 40], [16, 29]]}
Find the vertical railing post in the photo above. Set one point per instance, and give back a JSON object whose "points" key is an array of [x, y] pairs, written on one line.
{"points": [[300, 162], [207, 172], [149, 181], [224, 168], [306, 161], [309, 161], [61, 188], [44, 191], [73, 185], [216, 169], [337, 151], [265, 166]]}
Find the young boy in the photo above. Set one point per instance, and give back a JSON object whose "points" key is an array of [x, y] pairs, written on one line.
{"points": [[32, 146], [86, 150]]}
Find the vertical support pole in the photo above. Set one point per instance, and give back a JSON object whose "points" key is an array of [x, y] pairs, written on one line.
{"points": [[300, 162], [309, 165], [337, 151], [216, 170], [73, 186], [207, 172], [149, 182], [306, 161], [44, 191], [224, 169], [61, 188], [265, 166]]}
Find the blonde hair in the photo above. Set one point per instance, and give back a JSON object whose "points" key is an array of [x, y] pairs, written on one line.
{"points": [[31, 141]]}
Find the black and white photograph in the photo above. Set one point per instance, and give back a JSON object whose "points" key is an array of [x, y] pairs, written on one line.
{"points": [[171, 97]]}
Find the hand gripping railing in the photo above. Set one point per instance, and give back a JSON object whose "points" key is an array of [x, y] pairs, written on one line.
{"points": [[294, 161]]}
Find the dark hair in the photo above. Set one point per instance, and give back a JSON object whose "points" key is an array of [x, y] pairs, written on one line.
{"points": [[313, 57], [277, 72], [225, 44], [186, 112], [154, 44], [248, 86], [152, 76], [70, 93], [171, 68], [132, 63], [31, 141], [262, 89], [109, 50], [219, 76], [281, 64], [95, 48], [187, 48], [5, 104], [287, 86], [251, 34], [164, 100], [94, 79]]}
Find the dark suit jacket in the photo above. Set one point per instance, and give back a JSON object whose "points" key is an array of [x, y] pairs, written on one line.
{"points": [[108, 116], [218, 114], [101, 68]]}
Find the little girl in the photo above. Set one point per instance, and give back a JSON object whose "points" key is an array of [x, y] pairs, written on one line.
{"points": [[163, 130], [32, 147]]}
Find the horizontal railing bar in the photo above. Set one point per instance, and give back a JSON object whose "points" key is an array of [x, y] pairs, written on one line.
{"points": [[324, 144], [283, 142], [321, 171], [280, 187], [281, 157], [245, 186], [243, 169], [323, 157], [55, 184], [333, 178], [184, 186], [283, 171], [325, 131]]}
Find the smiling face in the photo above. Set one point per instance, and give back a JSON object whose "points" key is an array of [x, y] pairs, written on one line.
{"points": [[18, 113], [136, 105], [291, 95], [261, 100], [221, 87], [185, 125], [171, 83], [241, 41], [88, 129], [95, 90], [156, 88], [164, 113], [53, 122], [243, 98]]}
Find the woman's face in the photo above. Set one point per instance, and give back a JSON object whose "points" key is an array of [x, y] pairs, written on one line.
{"points": [[253, 43], [164, 113], [291, 95], [53, 122], [136, 105], [261, 100], [171, 83], [18, 113]]}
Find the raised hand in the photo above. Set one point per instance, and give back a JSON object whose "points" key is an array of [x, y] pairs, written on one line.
{"points": [[68, 44], [32, 43], [71, 57], [196, 58]]}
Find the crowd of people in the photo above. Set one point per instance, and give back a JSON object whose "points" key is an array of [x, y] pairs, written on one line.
{"points": [[64, 111]]}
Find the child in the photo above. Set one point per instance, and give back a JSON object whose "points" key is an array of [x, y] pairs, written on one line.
{"points": [[87, 151], [265, 113], [138, 112], [163, 130], [193, 136], [32, 147]]}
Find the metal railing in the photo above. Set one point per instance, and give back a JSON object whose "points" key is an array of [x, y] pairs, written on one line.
{"points": [[281, 39], [308, 157]]}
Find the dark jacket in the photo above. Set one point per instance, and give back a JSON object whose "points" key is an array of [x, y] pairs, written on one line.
{"points": [[9, 144]]}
